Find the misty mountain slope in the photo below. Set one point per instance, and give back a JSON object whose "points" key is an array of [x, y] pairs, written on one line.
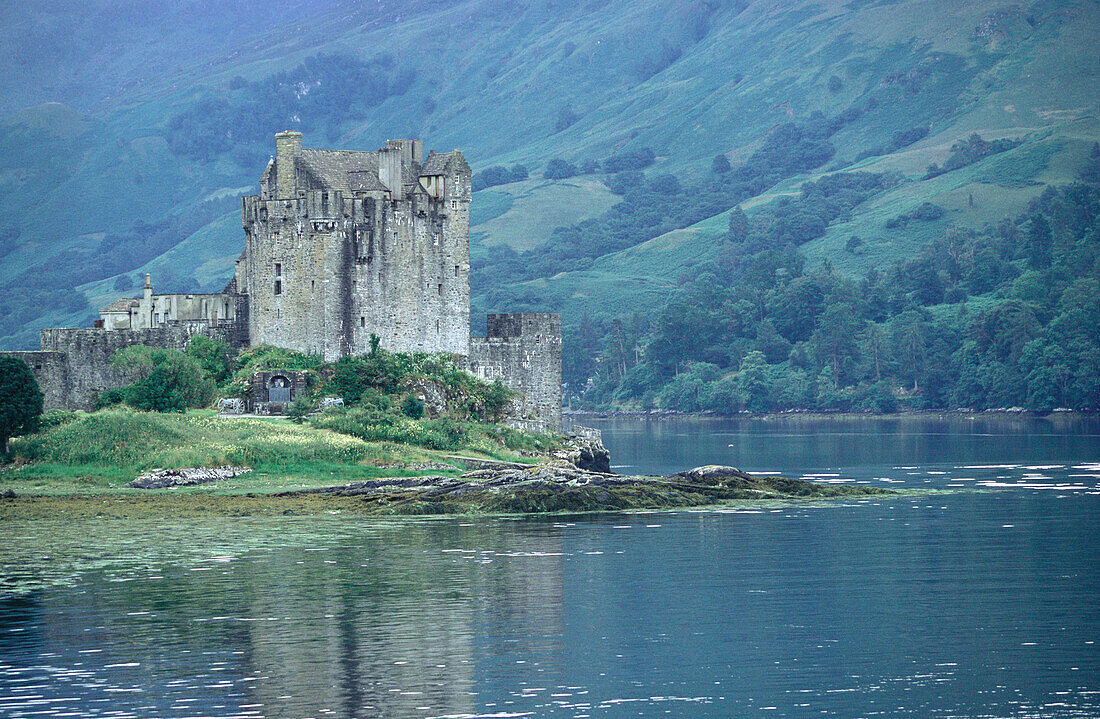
{"points": [[129, 183]]}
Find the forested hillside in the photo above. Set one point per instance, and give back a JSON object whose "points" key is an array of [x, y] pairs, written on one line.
{"points": [[734, 204]]}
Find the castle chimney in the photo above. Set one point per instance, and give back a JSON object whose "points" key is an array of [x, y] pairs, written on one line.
{"points": [[148, 288], [389, 169], [288, 145]]}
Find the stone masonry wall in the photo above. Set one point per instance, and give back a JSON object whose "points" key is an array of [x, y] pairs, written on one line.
{"points": [[51, 370], [74, 365], [523, 350]]}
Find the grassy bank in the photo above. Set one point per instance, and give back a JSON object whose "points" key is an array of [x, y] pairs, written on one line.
{"points": [[78, 467], [100, 452]]}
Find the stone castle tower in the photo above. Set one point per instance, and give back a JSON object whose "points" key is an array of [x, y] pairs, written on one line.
{"points": [[341, 245]]}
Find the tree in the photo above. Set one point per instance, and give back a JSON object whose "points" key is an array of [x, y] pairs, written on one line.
{"points": [[834, 340], [752, 381], [299, 409], [559, 169], [720, 165], [169, 380], [566, 117], [739, 225], [1040, 239], [20, 400], [214, 356], [1091, 170]]}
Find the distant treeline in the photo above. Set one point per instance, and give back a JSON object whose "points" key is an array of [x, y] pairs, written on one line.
{"points": [[1004, 317]]}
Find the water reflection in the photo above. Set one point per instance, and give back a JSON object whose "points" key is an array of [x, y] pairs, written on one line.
{"points": [[974, 603], [380, 621]]}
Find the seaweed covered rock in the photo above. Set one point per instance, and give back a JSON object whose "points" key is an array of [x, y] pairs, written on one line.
{"points": [[559, 486], [713, 474]]}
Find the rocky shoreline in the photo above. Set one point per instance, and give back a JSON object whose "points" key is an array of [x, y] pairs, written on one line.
{"points": [[575, 478], [562, 487]]}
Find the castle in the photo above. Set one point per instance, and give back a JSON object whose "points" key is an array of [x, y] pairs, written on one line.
{"points": [[339, 245]]}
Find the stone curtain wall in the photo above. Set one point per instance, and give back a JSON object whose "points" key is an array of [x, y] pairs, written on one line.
{"points": [[51, 371], [74, 365], [523, 350]]}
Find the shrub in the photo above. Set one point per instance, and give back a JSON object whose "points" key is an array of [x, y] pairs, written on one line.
{"points": [[412, 407], [170, 381], [299, 409], [20, 400]]}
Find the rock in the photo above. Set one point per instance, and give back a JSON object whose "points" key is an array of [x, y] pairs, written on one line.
{"points": [[711, 474], [162, 478], [583, 448]]}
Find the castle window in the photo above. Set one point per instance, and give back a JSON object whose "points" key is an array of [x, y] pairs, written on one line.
{"points": [[278, 287], [362, 321], [278, 269], [156, 318], [437, 325], [439, 287], [313, 285], [454, 204], [456, 270]]}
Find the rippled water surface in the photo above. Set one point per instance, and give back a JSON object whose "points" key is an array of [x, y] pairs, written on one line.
{"points": [[979, 602]]}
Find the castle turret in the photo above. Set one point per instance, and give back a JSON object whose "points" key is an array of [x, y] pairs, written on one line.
{"points": [[288, 146]]}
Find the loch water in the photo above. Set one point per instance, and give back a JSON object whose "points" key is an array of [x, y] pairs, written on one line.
{"points": [[978, 598]]}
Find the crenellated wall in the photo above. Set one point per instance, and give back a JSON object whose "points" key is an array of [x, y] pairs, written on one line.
{"points": [[523, 350]]}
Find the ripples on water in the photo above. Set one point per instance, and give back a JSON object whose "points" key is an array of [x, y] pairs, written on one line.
{"points": [[959, 604]]}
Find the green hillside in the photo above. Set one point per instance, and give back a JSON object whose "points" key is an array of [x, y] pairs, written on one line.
{"points": [[125, 153]]}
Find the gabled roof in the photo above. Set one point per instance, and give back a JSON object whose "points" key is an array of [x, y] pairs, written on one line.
{"points": [[123, 304], [337, 169], [364, 181], [435, 163]]}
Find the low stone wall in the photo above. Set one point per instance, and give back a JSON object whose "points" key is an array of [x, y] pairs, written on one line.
{"points": [[74, 365], [51, 370]]}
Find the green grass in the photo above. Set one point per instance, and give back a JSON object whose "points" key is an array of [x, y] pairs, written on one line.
{"points": [[488, 205], [102, 451], [535, 207]]}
